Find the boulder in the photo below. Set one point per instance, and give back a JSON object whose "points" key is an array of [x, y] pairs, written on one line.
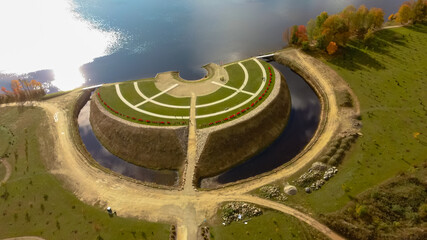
{"points": [[290, 190]]}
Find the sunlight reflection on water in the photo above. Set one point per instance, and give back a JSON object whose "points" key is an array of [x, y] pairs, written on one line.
{"points": [[49, 34]]}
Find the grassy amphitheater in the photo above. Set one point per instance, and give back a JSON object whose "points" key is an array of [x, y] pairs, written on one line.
{"points": [[148, 122], [225, 94]]}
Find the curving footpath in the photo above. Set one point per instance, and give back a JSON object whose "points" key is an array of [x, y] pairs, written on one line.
{"points": [[8, 170], [187, 208], [25, 238]]}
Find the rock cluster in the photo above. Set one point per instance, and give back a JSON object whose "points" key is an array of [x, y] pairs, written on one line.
{"points": [[316, 176], [273, 192], [237, 211], [330, 173], [312, 175]]}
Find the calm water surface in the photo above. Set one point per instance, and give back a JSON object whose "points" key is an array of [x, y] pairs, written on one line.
{"points": [[102, 41]]}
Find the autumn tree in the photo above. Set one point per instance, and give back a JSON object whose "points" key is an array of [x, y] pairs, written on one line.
{"points": [[335, 29], [332, 48], [419, 11], [298, 35], [404, 13], [376, 16], [314, 30], [22, 90]]}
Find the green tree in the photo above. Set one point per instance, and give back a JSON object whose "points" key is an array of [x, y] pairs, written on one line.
{"points": [[311, 29]]}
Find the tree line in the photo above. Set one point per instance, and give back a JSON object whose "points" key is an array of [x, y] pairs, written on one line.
{"points": [[329, 32], [22, 90]]}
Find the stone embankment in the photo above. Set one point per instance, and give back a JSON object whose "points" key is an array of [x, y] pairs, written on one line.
{"points": [[147, 146], [224, 146]]}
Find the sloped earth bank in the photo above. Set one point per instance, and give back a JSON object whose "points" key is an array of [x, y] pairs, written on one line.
{"points": [[186, 209]]}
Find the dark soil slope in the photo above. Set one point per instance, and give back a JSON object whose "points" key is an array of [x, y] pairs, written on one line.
{"points": [[236, 143], [147, 146]]}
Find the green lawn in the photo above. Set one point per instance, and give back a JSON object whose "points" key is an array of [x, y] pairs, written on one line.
{"points": [[255, 76], [238, 98], [34, 203], [166, 98], [154, 108], [109, 95], [215, 96], [6, 140], [148, 88], [204, 122], [2, 172], [390, 82], [236, 75], [270, 225]]}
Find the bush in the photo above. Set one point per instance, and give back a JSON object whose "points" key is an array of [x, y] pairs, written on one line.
{"points": [[324, 159], [305, 46], [331, 151], [333, 161]]}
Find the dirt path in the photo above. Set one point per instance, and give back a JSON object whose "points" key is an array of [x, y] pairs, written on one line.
{"points": [[288, 210], [188, 230], [25, 238], [8, 170], [186, 208]]}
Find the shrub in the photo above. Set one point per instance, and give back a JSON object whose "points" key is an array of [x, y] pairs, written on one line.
{"points": [[305, 46], [331, 151], [333, 161]]}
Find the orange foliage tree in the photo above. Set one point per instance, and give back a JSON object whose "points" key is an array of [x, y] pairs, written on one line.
{"points": [[332, 48]]}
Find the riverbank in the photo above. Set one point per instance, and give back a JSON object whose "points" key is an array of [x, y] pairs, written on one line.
{"points": [[388, 78]]}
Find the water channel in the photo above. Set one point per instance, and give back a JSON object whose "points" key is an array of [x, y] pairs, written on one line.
{"points": [[301, 126]]}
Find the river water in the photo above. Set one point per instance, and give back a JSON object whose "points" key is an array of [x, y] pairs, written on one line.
{"points": [[70, 43]]}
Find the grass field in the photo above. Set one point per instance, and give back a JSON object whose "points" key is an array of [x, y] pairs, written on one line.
{"points": [[389, 78], [2, 172], [254, 82], [255, 76], [33, 202], [235, 72], [110, 96], [5, 140], [110, 99], [215, 96], [270, 225]]}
